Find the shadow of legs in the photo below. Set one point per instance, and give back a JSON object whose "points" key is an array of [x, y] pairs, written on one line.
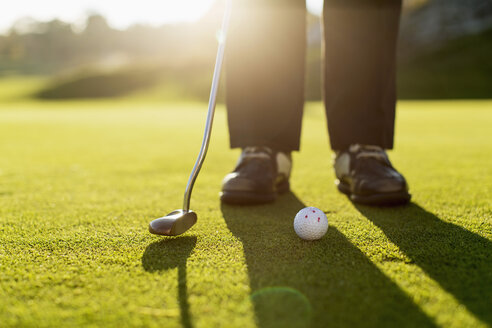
{"points": [[459, 260], [167, 254], [326, 283]]}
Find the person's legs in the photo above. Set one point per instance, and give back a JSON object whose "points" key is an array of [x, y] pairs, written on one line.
{"points": [[265, 95], [265, 59], [360, 97], [360, 60]]}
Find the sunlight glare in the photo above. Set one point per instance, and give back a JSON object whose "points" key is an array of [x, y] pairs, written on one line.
{"points": [[120, 14], [315, 6]]}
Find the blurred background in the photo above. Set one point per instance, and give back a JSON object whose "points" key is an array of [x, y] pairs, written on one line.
{"points": [[166, 50]]}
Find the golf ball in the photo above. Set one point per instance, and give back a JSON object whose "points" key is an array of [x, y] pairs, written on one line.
{"points": [[310, 223]]}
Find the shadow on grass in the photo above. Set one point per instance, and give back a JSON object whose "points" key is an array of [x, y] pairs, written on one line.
{"points": [[459, 260], [168, 254], [327, 283]]}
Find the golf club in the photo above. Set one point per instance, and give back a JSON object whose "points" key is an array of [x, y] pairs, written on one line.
{"points": [[179, 221]]}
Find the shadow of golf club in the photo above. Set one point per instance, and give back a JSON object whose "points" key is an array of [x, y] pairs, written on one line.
{"points": [[459, 260], [326, 283], [168, 254]]}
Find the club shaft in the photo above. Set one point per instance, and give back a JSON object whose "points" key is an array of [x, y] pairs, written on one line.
{"points": [[211, 107]]}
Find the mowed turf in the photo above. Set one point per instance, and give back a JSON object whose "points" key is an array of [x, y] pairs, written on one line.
{"points": [[80, 181]]}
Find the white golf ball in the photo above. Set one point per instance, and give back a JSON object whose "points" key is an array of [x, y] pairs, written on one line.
{"points": [[310, 223]]}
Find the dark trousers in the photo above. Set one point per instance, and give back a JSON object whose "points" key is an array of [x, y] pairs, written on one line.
{"points": [[265, 68]]}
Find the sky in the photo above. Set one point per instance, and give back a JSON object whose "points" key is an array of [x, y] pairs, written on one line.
{"points": [[120, 13]]}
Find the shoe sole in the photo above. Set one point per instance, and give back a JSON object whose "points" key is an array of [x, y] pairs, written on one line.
{"points": [[382, 199], [253, 198]]}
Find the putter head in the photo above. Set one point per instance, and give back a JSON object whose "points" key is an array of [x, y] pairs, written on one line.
{"points": [[173, 224]]}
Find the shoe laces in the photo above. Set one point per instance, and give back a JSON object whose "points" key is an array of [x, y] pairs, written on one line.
{"points": [[255, 160], [369, 151], [257, 152], [266, 157]]}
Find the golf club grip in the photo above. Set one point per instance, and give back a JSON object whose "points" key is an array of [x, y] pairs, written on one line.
{"points": [[211, 107]]}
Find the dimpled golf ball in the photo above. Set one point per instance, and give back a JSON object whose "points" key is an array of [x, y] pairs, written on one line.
{"points": [[310, 223]]}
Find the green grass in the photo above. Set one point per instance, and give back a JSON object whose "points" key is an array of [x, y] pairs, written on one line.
{"points": [[80, 181]]}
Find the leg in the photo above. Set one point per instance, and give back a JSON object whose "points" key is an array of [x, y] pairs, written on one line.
{"points": [[360, 56], [265, 73], [265, 96], [360, 97]]}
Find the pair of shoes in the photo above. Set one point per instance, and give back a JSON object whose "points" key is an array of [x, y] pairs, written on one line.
{"points": [[364, 173], [261, 174]]}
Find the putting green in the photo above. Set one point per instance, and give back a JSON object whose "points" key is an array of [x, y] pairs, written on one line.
{"points": [[80, 181]]}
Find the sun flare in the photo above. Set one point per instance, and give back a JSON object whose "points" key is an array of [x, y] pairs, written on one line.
{"points": [[120, 14]]}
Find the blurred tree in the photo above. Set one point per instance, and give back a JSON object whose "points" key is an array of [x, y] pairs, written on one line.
{"points": [[96, 24], [183, 54]]}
